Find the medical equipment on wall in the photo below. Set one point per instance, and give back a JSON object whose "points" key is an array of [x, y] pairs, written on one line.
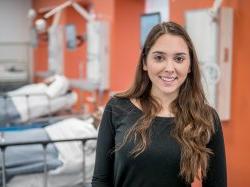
{"points": [[56, 40], [97, 44], [98, 53], [161, 6], [211, 31]]}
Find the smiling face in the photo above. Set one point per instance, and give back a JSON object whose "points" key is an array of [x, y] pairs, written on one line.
{"points": [[167, 65]]}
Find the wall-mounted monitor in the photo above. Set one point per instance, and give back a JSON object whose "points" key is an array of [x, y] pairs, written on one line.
{"points": [[70, 34], [148, 21]]}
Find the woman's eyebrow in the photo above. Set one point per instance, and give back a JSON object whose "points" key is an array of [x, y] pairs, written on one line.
{"points": [[177, 54], [181, 54], [159, 52]]}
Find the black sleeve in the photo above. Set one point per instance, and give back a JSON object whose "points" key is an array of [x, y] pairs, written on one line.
{"points": [[217, 172], [103, 172]]}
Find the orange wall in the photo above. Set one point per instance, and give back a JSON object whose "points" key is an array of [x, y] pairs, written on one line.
{"points": [[75, 60], [126, 42], [236, 131]]}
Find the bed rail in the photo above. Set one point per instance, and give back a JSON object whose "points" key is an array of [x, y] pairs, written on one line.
{"points": [[5, 97], [4, 145]]}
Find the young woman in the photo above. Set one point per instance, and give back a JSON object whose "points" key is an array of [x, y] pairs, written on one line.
{"points": [[161, 132]]}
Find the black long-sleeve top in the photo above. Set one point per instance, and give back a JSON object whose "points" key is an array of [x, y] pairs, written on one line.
{"points": [[159, 164]]}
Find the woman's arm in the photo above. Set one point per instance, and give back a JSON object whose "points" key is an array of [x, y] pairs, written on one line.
{"points": [[217, 172], [103, 173]]}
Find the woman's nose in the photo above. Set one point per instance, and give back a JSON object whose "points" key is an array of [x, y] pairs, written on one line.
{"points": [[169, 66]]}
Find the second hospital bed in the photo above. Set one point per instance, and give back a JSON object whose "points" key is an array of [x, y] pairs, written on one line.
{"points": [[69, 164]]}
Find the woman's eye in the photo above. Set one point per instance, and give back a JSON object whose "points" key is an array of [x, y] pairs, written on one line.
{"points": [[179, 59], [158, 58]]}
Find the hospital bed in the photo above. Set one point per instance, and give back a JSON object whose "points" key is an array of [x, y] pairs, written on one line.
{"points": [[64, 146], [35, 100], [67, 153], [21, 108]]}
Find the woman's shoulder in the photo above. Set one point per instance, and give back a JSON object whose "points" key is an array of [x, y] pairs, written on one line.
{"points": [[215, 118], [114, 101], [119, 104], [120, 110]]}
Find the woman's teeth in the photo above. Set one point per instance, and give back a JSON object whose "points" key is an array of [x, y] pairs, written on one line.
{"points": [[168, 79]]}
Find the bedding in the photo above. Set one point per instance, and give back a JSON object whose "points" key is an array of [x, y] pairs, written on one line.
{"points": [[69, 155]]}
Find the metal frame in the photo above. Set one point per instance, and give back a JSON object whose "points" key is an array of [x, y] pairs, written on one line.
{"points": [[4, 146], [6, 97]]}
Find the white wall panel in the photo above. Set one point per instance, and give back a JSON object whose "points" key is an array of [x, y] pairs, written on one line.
{"points": [[212, 38]]}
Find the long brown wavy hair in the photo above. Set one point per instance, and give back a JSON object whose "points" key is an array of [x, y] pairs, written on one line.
{"points": [[193, 116]]}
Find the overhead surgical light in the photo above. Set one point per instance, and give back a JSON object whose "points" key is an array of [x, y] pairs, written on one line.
{"points": [[31, 14], [40, 25], [85, 14]]}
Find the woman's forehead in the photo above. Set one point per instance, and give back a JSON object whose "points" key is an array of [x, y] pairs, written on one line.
{"points": [[168, 43]]}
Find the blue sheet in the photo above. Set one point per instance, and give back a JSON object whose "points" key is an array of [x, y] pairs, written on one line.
{"points": [[8, 111], [25, 126], [28, 159]]}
